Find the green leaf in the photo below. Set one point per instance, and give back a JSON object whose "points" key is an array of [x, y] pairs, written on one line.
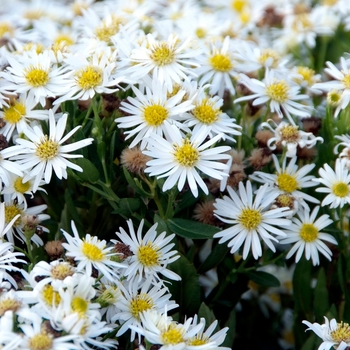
{"points": [[90, 172], [101, 150], [136, 186], [205, 312], [127, 206], [192, 229], [321, 299], [302, 286], [217, 254], [231, 333], [263, 278], [310, 344]]}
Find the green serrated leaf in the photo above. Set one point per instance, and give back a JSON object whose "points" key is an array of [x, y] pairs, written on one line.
{"points": [[191, 229], [263, 278]]}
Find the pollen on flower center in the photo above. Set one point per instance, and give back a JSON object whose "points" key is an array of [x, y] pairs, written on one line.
{"points": [[140, 303], [107, 30], [334, 97], [342, 333], [278, 91], [79, 305], [89, 77], [14, 113], [148, 255], [220, 62], [163, 55], [36, 76], [9, 304], [47, 149], [306, 73], [40, 341], [172, 336], [21, 187], [186, 155], [61, 271], [284, 200], [206, 113], [155, 114], [50, 296], [308, 232], [250, 218], [10, 212], [341, 189], [290, 133], [269, 54], [287, 183], [92, 252]]}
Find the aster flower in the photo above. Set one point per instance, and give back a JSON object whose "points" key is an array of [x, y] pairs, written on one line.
{"points": [[290, 137], [251, 221], [345, 153], [43, 154], [150, 113], [333, 334], [337, 184], [305, 233], [151, 253], [91, 252], [280, 94], [289, 180], [178, 159]]}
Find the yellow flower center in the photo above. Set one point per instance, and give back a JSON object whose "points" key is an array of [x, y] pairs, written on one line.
{"points": [[163, 55], [47, 149], [290, 133], [268, 53], [139, 304], [14, 113], [174, 335], [108, 297], [10, 212], [308, 232], [50, 296], [107, 29], [206, 113], [307, 75], [287, 183], [250, 218], [79, 305], [334, 97], [302, 23], [40, 341], [61, 271], [78, 7], [201, 33], [285, 200], [92, 252], [186, 155], [36, 76], [238, 5], [39, 48], [6, 29], [89, 77], [342, 333], [148, 255], [64, 39], [340, 189], [155, 114], [278, 91], [21, 187], [220, 62], [346, 79], [9, 304], [198, 341], [329, 2]]}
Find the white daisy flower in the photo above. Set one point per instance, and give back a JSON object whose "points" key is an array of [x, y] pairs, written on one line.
{"points": [[178, 159], [290, 137], [207, 112], [150, 113], [34, 73], [251, 221], [151, 253], [337, 185], [44, 153], [344, 155], [18, 115], [288, 180], [8, 167], [91, 252], [8, 338], [280, 94], [333, 334], [218, 67], [135, 300], [305, 232]]}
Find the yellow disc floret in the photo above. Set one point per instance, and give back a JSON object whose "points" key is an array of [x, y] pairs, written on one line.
{"points": [[61, 271], [148, 255], [92, 252], [50, 296], [340, 189], [14, 113], [206, 112], [278, 91], [20, 186], [36, 76], [155, 114], [342, 333], [163, 54], [9, 304], [221, 62], [89, 77], [10, 212], [40, 341], [47, 149], [80, 305], [290, 133], [250, 218], [172, 336], [287, 182], [139, 304], [186, 155], [308, 232]]}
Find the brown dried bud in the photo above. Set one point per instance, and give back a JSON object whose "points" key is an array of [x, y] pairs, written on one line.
{"points": [[204, 212], [306, 153], [312, 124], [123, 250], [3, 142], [263, 136], [54, 249], [110, 103], [260, 157], [134, 160]]}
